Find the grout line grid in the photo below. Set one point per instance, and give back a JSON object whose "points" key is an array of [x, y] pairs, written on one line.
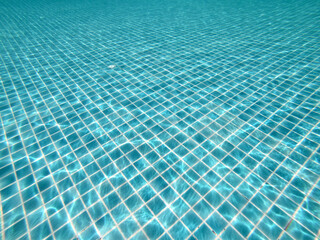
{"points": [[179, 120]]}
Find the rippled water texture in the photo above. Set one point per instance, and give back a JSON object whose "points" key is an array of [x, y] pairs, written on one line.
{"points": [[193, 119]]}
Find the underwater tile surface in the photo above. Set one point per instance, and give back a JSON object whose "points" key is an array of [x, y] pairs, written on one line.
{"points": [[159, 119]]}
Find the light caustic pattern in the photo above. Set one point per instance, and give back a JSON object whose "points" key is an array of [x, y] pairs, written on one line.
{"points": [[159, 119]]}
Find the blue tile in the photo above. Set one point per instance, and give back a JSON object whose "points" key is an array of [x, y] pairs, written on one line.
{"points": [[191, 220], [297, 231], [180, 185], [114, 234], [112, 200], [90, 197], [286, 236], [180, 207], [138, 182], [204, 232], [256, 234], [90, 234], [159, 184], [216, 223], [129, 227], [125, 191], [308, 220], [119, 213], [237, 200], [261, 202], [269, 228], [59, 219], [169, 195], [203, 209], [133, 202], [178, 231], [16, 230], [97, 210], [55, 205], [140, 235], [36, 217], [167, 218], [228, 211], [214, 198], [252, 213], [81, 222], [153, 229], [41, 231], [202, 187], [278, 216], [156, 205], [146, 193], [104, 224], [312, 206], [212, 178], [231, 233], [191, 196], [143, 215], [242, 225]]}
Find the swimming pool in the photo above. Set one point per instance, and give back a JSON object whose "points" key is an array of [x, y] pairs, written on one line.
{"points": [[160, 119]]}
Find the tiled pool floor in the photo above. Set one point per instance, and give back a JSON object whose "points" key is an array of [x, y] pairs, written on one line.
{"points": [[159, 119]]}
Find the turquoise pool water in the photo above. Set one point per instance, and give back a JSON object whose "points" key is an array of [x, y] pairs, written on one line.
{"points": [[159, 119]]}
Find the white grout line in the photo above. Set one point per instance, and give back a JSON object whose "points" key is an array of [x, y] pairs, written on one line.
{"points": [[89, 98], [299, 207], [19, 190], [2, 228], [79, 194], [41, 197]]}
